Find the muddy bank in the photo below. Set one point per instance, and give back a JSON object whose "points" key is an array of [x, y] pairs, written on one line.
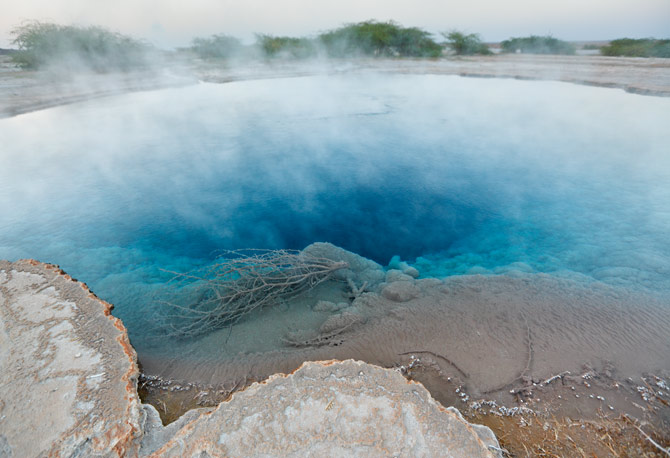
{"points": [[25, 91]]}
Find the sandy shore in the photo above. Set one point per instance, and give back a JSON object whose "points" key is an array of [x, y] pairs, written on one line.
{"points": [[636, 75], [25, 91]]}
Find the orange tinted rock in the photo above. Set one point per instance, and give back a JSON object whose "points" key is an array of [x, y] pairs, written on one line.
{"points": [[332, 408], [68, 374]]}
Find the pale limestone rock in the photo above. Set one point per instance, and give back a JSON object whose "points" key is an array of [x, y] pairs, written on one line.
{"points": [[361, 270], [328, 409], [400, 291], [156, 435], [411, 271], [327, 306], [67, 371], [397, 275], [397, 264]]}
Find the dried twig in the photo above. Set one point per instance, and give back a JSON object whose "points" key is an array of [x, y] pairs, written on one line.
{"points": [[652, 391], [646, 436], [356, 292], [238, 283], [498, 449], [555, 377], [319, 340]]}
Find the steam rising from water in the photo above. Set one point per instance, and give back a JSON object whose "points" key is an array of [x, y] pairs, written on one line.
{"points": [[461, 175]]}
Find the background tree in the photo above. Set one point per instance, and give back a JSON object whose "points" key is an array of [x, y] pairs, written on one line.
{"points": [[465, 44], [537, 45], [272, 46], [216, 47], [643, 47], [43, 44], [382, 39]]}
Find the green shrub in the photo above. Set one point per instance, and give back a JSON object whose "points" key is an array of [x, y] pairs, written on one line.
{"points": [[216, 47], [537, 45], [465, 45], [297, 48], [44, 44], [369, 38], [643, 47], [383, 39]]}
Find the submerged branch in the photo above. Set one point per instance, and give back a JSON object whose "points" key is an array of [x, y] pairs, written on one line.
{"points": [[240, 282]]}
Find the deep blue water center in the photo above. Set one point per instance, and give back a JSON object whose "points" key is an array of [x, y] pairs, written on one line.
{"points": [[454, 175]]}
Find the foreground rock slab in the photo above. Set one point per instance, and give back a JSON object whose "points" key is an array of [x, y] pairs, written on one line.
{"points": [[329, 409], [68, 374]]}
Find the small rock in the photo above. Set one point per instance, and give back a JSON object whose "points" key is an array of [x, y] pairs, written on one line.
{"points": [[325, 306], [411, 271], [394, 275], [361, 269], [400, 291]]}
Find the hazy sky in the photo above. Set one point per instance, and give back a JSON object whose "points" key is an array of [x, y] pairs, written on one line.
{"points": [[170, 23]]}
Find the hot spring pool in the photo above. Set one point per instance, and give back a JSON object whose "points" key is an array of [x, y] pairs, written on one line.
{"points": [[454, 175]]}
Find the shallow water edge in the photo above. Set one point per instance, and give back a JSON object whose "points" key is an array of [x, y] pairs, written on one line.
{"points": [[493, 346]]}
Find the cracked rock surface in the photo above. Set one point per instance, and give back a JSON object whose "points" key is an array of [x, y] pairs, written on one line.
{"points": [[347, 408], [68, 374]]}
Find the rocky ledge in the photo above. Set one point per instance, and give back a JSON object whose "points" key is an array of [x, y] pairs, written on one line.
{"points": [[68, 387], [68, 374]]}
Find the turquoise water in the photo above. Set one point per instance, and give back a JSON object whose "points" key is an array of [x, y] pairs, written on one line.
{"points": [[454, 175]]}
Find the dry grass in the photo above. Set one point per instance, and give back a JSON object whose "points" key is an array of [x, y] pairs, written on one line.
{"points": [[529, 436]]}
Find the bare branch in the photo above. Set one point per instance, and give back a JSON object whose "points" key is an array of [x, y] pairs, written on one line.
{"points": [[238, 283]]}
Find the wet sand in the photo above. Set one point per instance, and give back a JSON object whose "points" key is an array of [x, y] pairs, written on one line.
{"points": [[488, 332], [557, 347]]}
